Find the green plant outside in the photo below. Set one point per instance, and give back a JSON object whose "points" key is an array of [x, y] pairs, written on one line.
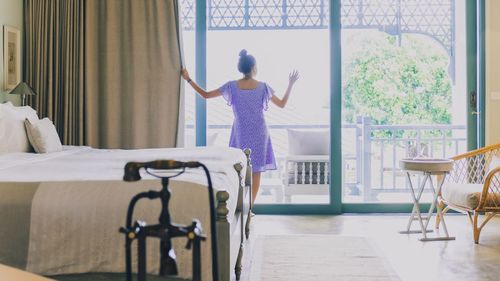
{"points": [[397, 84]]}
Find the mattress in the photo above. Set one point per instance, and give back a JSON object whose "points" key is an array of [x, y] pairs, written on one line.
{"points": [[61, 211]]}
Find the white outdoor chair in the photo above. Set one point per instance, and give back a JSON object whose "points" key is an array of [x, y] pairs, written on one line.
{"points": [[307, 166]]}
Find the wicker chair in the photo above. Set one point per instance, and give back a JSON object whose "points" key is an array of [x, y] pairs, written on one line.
{"points": [[473, 187]]}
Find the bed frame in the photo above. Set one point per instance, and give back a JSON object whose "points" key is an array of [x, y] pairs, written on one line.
{"points": [[232, 238]]}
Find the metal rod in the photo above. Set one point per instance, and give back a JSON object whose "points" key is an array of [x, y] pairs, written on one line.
{"points": [[141, 264]]}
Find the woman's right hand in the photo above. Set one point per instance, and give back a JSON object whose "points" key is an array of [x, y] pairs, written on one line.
{"points": [[185, 74]]}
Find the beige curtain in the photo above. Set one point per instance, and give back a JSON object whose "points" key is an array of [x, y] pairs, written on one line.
{"points": [[132, 81], [54, 52]]}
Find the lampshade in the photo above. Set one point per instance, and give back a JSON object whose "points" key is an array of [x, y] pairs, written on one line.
{"points": [[23, 89]]}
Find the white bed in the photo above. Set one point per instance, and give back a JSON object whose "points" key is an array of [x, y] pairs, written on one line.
{"points": [[77, 202]]}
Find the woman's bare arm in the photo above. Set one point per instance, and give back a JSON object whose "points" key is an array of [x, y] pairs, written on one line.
{"points": [[281, 102], [207, 95]]}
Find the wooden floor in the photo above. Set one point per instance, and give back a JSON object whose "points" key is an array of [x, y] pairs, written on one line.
{"points": [[411, 259]]}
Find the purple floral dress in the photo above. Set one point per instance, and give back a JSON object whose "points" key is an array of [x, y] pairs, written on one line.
{"points": [[249, 126]]}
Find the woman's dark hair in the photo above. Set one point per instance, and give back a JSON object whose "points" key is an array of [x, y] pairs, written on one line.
{"points": [[246, 62]]}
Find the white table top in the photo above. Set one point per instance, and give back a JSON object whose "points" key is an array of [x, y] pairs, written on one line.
{"points": [[426, 165]]}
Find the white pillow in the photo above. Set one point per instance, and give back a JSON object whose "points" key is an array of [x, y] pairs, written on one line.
{"points": [[7, 110], [13, 136], [43, 135], [308, 142], [8, 104]]}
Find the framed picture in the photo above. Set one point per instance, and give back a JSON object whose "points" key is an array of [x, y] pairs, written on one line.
{"points": [[11, 56]]}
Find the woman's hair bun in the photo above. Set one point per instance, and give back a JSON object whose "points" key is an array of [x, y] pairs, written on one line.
{"points": [[246, 62]]}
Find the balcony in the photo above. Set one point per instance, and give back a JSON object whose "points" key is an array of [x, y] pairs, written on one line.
{"points": [[370, 157]]}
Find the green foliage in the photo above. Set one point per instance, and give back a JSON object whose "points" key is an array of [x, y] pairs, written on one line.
{"points": [[407, 84]]}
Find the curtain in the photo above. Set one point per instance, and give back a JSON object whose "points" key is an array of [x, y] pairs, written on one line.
{"points": [[54, 66], [107, 72], [132, 74]]}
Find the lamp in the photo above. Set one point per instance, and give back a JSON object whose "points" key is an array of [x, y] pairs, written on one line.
{"points": [[23, 90]]}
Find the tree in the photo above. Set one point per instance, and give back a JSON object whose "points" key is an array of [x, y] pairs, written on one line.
{"points": [[407, 84]]}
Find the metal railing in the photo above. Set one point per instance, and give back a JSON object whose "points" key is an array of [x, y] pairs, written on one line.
{"points": [[371, 153]]}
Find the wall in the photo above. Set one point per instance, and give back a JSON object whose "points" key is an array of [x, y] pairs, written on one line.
{"points": [[492, 72], [11, 13]]}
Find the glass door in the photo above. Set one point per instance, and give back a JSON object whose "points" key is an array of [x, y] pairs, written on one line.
{"points": [[404, 92], [283, 36], [381, 79]]}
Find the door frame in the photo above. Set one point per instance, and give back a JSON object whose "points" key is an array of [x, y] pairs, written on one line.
{"points": [[475, 52]]}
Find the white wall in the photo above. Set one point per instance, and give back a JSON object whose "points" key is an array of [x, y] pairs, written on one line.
{"points": [[11, 13], [492, 71]]}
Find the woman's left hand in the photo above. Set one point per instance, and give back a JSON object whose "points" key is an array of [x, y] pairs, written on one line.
{"points": [[293, 77]]}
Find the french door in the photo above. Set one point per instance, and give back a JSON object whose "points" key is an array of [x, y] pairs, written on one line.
{"points": [[381, 80]]}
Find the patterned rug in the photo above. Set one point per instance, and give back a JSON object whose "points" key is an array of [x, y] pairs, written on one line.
{"points": [[318, 258]]}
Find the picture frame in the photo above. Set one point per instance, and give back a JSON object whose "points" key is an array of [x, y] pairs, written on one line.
{"points": [[11, 57]]}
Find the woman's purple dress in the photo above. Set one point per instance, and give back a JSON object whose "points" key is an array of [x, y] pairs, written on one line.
{"points": [[249, 126]]}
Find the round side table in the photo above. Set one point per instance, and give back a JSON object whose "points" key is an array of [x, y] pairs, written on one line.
{"points": [[427, 167]]}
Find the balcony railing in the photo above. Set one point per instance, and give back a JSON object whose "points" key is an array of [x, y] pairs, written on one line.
{"points": [[371, 153]]}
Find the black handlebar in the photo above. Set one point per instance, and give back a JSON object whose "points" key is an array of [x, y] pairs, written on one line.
{"points": [[132, 174], [132, 168]]}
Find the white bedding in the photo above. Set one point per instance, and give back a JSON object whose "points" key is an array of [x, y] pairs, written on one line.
{"points": [[83, 163], [81, 190]]}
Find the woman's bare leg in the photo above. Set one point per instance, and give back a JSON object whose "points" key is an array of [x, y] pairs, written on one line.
{"points": [[255, 185]]}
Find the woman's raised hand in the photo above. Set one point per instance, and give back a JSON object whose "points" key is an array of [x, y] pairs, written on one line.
{"points": [[293, 77], [185, 74]]}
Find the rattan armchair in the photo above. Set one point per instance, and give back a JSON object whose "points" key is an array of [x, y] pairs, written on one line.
{"points": [[473, 187]]}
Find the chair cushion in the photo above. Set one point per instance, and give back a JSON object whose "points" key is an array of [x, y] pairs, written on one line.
{"points": [[463, 195], [308, 142]]}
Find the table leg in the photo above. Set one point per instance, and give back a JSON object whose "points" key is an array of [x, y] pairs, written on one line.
{"points": [[416, 205], [413, 211], [439, 214], [433, 203], [439, 210]]}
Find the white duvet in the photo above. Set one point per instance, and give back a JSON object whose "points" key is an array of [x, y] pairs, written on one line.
{"points": [[81, 203]]}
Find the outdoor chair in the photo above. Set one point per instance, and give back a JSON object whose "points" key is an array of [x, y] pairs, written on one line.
{"points": [[473, 187], [306, 167]]}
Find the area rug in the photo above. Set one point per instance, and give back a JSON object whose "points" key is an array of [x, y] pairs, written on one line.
{"points": [[318, 258]]}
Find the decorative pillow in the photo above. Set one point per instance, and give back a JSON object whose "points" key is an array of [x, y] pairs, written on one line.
{"points": [[495, 162], [43, 135], [308, 142], [12, 132]]}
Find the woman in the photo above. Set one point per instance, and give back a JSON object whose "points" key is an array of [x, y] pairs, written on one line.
{"points": [[249, 98]]}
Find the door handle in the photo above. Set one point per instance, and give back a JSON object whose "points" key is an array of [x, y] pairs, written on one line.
{"points": [[473, 100], [476, 112]]}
